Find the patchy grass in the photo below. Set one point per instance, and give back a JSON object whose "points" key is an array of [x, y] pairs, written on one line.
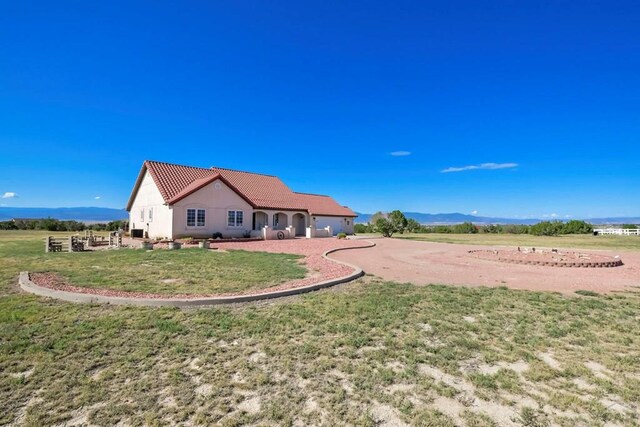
{"points": [[187, 271], [367, 353], [585, 241]]}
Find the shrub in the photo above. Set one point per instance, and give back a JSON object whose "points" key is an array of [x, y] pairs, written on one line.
{"points": [[362, 228], [546, 228], [216, 235], [342, 235], [493, 229], [577, 227], [465, 228], [515, 229]]}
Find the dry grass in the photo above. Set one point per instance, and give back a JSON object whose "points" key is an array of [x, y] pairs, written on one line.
{"points": [[367, 353]]}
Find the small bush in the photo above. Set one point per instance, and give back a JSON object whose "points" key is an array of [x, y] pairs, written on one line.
{"points": [[341, 236], [216, 235], [362, 228]]}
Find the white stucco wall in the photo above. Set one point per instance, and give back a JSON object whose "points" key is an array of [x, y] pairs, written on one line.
{"points": [[337, 224], [217, 199], [149, 197]]}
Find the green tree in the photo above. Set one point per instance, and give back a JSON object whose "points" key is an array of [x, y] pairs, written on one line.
{"points": [[374, 218], [398, 221], [384, 227], [465, 228], [413, 226], [577, 227], [492, 228], [546, 228]]}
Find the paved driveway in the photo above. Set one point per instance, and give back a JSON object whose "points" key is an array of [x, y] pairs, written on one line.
{"points": [[444, 263]]}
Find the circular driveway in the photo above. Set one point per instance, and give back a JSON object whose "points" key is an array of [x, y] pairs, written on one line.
{"points": [[424, 263]]}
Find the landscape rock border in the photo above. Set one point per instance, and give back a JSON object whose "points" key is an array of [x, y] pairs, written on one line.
{"points": [[29, 286], [609, 263]]}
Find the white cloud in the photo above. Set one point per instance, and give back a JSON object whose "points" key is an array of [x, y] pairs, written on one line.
{"points": [[97, 198], [486, 166], [553, 215], [474, 212], [400, 153], [10, 195]]}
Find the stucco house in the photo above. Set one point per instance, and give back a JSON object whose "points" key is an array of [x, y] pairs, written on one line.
{"points": [[174, 201]]}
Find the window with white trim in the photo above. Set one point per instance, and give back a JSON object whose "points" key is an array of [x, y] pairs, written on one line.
{"points": [[235, 218], [196, 217], [150, 214], [142, 214]]}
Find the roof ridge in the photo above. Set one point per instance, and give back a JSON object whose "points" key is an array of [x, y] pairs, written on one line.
{"points": [[238, 170], [176, 164], [312, 194]]}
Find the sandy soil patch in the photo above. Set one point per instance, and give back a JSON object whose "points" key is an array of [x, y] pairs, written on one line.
{"points": [[425, 263]]}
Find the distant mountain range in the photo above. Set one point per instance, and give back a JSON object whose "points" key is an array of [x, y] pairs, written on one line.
{"points": [[457, 218], [78, 214], [92, 214]]}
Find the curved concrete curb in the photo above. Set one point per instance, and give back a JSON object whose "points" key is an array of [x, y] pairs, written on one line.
{"points": [[27, 285]]}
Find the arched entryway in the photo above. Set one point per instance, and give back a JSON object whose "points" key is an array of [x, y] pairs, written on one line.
{"points": [[300, 223], [260, 219], [280, 221]]}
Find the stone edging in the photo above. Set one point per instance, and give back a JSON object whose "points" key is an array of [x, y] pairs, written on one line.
{"points": [[573, 264], [27, 285]]}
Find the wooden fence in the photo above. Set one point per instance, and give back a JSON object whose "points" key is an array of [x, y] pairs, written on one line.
{"points": [[63, 244]]}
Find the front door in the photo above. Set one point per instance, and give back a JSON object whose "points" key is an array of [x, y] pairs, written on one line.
{"points": [[300, 225]]}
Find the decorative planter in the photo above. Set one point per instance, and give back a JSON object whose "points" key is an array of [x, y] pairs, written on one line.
{"points": [[203, 244], [147, 246], [174, 245]]}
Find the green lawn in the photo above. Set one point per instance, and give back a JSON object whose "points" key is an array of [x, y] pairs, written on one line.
{"points": [[364, 353], [187, 271], [569, 241]]}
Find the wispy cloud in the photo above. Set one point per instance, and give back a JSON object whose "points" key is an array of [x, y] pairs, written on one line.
{"points": [[400, 153], [553, 215], [10, 195], [474, 212], [97, 198], [486, 166]]}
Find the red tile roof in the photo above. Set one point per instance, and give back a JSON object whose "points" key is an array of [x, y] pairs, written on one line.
{"points": [[317, 204], [261, 191]]}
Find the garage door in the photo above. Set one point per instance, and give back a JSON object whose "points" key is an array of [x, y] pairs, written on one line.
{"points": [[336, 223]]}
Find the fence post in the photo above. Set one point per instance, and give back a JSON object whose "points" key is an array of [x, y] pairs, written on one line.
{"points": [[47, 243], [70, 243]]}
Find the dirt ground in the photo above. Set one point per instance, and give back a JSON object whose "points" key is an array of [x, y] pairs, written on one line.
{"points": [[424, 263]]}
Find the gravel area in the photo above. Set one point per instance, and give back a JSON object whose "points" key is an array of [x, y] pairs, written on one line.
{"points": [[443, 263], [319, 268], [549, 257]]}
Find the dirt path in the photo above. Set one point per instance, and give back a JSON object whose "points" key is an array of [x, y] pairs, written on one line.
{"points": [[442, 263]]}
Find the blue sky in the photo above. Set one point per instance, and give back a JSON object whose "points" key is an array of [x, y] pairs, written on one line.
{"points": [[544, 94]]}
